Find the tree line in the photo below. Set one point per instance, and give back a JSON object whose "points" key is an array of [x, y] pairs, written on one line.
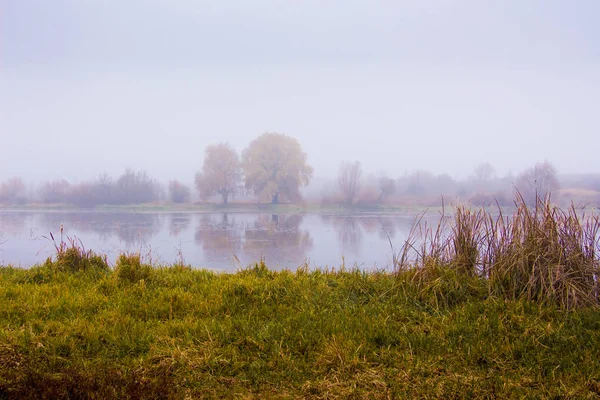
{"points": [[274, 168]]}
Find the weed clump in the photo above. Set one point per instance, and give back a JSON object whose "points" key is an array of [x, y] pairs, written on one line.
{"points": [[71, 256], [129, 269], [258, 270]]}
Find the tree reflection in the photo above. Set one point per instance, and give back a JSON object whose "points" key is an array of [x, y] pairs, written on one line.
{"points": [[278, 237], [133, 229], [348, 231], [369, 224], [387, 228], [179, 223], [220, 236], [12, 222]]}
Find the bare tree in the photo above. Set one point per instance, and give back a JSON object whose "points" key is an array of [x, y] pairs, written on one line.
{"points": [[55, 191], [135, 187], [13, 191], [484, 172], [537, 182], [349, 179]]}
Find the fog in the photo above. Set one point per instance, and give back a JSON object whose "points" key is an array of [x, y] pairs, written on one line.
{"points": [[98, 86]]}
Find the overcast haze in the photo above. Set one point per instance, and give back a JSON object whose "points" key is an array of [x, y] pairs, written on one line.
{"points": [[91, 86]]}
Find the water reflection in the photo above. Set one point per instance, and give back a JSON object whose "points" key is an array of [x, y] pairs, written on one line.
{"points": [[387, 228], [351, 229], [132, 229], [179, 223], [278, 239], [213, 240], [242, 239], [348, 231], [12, 222], [221, 237]]}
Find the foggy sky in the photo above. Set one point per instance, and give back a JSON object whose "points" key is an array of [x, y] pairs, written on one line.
{"points": [[91, 86]]}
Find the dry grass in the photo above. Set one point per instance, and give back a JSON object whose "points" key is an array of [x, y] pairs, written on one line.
{"points": [[542, 253]]}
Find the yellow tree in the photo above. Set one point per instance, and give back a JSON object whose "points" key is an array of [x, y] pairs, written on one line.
{"points": [[275, 168], [221, 173]]}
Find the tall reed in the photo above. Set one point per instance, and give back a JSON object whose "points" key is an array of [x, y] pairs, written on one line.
{"points": [[540, 253]]}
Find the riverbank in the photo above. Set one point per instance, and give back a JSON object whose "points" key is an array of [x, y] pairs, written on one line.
{"points": [[139, 331], [230, 208], [412, 210], [499, 307]]}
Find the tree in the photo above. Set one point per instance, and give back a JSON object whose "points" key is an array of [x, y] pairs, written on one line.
{"points": [[135, 188], [387, 187], [484, 172], [104, 189], [275, 168], [13, 191], [221, 172], [537, 182], [178, 192], [349, 176], [418, 183], [55, 191]]}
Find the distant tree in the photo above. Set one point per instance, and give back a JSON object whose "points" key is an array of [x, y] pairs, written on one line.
{"points": [[537, 182], [135, 188], [221, 172], [387, 187], [444, 184], [275, 168], [82, 195], [92, 193], [55, 191], [349, 180], [103, 189], [178, 192], [418, 182], [13, 191], [484, 172]]}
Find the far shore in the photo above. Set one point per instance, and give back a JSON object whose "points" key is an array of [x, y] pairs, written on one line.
{"points": [[247, 208]]}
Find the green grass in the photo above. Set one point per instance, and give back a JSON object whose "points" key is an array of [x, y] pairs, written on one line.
{"points": [[136, 332]]}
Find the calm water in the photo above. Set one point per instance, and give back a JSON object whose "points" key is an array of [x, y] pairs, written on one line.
{"points": [[210, 240]]}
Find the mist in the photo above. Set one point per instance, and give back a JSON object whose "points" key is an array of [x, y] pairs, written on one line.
{"points": [[88, 87]]}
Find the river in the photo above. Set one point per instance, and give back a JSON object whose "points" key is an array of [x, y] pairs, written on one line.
{"points": [[215, 240]]}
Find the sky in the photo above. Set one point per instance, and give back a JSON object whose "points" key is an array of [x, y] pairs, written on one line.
{"points": [[92, 86]]}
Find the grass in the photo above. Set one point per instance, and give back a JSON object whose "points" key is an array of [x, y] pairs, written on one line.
{"points": [[478, 313], [540, 253]]}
